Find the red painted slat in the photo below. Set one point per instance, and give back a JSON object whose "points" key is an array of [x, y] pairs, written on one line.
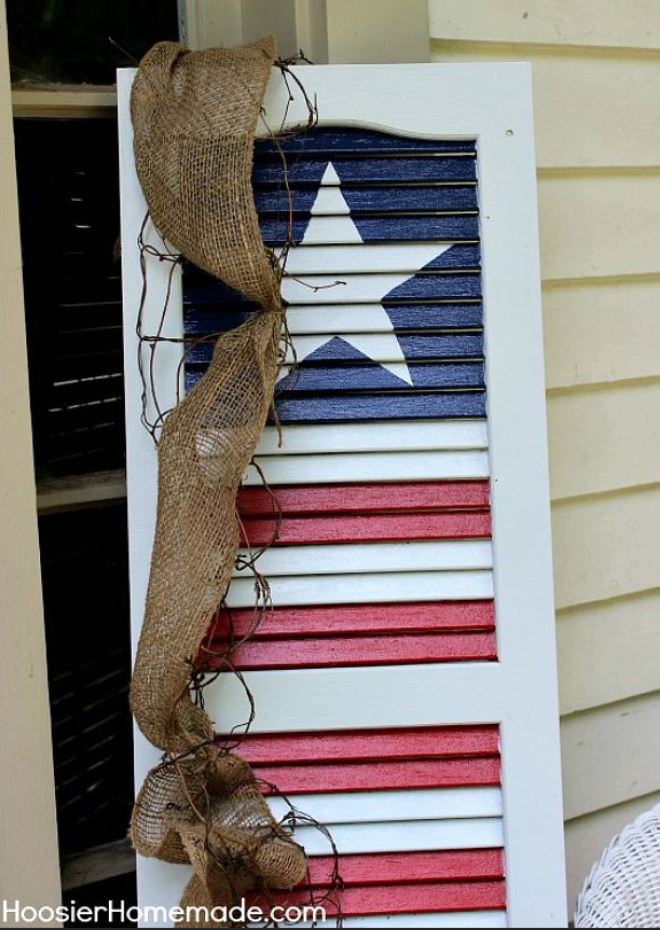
{"points": [[365, 498], [402, 867], [359, 650], [346, 619], [370, 745], [365, 776], [346, 528], [400, 899]]}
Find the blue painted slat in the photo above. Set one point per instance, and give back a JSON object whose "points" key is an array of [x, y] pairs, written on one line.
{"points": [[415, 347], [318, 379], [336, 378], [205, 319], [202, 318], [462, 255], [199, 354], [419, 169], [438, 228], [345, 407], [215, 295], [445, 198], [367, 407], [337, 141], [436, 287], [435, 316], [201, 288], [421, 287]]}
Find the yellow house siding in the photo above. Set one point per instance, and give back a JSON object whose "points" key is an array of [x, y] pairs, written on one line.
{"points": [[604, 631], [612, 327], [567, 81], [596, 87], [604, 437], [625, 24], [598, 736]]}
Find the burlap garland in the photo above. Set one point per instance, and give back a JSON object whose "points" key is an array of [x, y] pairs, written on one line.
{"points": [[194, 116]]}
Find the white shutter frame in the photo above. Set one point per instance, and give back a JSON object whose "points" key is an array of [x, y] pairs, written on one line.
{"points": [[491, 103]]}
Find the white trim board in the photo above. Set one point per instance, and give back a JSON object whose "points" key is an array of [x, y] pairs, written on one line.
{"points": [[492, 103]]}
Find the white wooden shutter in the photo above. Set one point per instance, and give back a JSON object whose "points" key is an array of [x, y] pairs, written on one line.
{"points": [[405, 683]]}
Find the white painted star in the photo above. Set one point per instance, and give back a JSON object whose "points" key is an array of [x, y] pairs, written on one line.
{"points": [[368, 273]]}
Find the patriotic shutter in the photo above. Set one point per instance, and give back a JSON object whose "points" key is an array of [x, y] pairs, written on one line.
{"points": [[405, 681]]}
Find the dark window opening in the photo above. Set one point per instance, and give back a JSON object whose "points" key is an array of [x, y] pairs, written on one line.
{"points": [[68, 186], [78, 41]]}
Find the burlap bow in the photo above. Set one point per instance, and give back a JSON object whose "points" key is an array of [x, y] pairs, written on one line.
{"points": [[194, 117]]}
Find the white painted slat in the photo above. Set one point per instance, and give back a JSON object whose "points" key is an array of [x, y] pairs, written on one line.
{"points": [[340, 288], [409, 836], [604, 439], [378, 806], [618, 642], [327, 202], [369, 697], [366, 589], [337, 318], [353, 259], [601, 333], [365, 466], [456, 920], [606, 546], [363, 558], [400, 436], [346, 318], [610, 754], [625, 24]]}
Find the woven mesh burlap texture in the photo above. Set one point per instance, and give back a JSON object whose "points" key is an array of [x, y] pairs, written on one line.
{"points": [[194, 117]]}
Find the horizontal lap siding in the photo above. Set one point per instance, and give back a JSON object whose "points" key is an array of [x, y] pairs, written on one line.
{"points": [[612, 327], [606, 546], [604, 438], [625, 755], [628, 24], [598, 151], [593, 107], [596, 225], [625, 626]]}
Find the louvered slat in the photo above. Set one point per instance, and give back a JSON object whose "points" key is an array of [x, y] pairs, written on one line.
{"points": [[450, 776]]}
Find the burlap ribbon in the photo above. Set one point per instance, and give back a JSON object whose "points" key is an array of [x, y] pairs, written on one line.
{"points": [[194, 117]]}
